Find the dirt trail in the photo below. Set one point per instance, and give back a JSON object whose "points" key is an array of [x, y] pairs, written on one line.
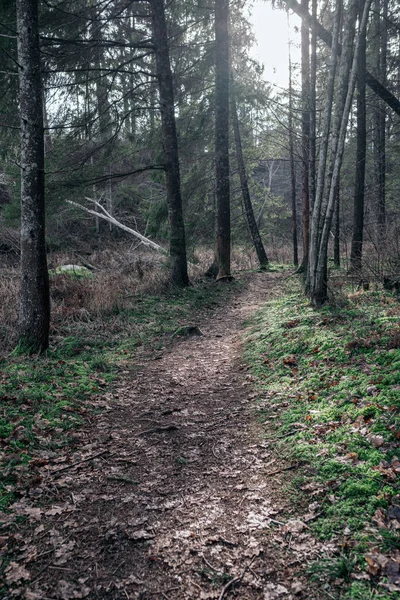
{"points": [[180, 502]]}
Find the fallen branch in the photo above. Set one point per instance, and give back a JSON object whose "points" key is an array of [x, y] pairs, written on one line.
{"points": [[107, 217], [171, 427], [80, 462], [282, 470], [237, 580]]}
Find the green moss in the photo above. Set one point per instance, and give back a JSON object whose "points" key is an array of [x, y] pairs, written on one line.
{"points": [[331, 372]]}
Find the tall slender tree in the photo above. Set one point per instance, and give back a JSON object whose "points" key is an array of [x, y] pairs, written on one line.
{"points": [[34, 316], [361, 154], [178, 257], [223, 212], [292, 165], [305, 133], [318, 288]]}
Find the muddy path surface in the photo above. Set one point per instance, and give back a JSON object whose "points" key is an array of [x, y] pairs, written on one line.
{"points": [[172, 496]]}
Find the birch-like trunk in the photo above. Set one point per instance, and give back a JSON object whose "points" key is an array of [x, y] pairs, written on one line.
{"points": [[319, 288], [317, 214], [223, 211], [34, 316], [177, 247]]}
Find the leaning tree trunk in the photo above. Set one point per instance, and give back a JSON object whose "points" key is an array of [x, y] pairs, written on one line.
{"points": [[223, 213], [34, 317], [251, 221], [359, 192], [179, 274]]}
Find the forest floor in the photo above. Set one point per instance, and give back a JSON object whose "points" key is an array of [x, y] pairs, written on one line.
{"points": [[174, 490]]}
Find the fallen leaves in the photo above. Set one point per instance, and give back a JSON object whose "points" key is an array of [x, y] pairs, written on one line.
{"points": [[15, 573]]}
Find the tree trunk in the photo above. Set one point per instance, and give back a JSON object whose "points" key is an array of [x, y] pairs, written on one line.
{"points": [[223, 213], [292, 168], [34, 317], [251, 221], [359, 193], [375, 85], [379, 115], [313, 106], [318, 214], [319, 290], [305, 133], [336, 243], [179, 274]]}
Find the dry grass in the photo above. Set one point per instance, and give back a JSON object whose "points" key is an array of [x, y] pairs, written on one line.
{"points": [[121, 273]]}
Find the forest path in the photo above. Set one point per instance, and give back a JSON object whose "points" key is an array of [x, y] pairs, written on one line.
{"points": [[179, 502]]}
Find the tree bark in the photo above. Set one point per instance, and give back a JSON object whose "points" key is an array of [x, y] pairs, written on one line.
{"points": [[305, 133], [251, 221], [318, 215], [292, 169], [336, 242], [379, 115], [319, 290], [361, 151], [179, 274], [313, 106], [34, 316], [223, 214]]}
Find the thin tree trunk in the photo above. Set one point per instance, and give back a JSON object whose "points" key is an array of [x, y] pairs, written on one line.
{"points": [[313, 106], [336, 242], [319, 291], [359, 193], [179, 274], [251, 221], [292, 168], [48, 142], [379, 115], [322, 181], [223, 213], [305, 132], [34, 317]]}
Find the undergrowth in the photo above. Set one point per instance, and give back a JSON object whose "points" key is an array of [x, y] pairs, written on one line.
{"points": [[331, 381]]}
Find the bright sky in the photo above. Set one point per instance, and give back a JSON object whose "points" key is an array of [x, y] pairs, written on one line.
{"points": [[271, 30]]}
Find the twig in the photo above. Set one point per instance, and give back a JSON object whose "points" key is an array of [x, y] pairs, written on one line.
{"points": [[285, 435], [79, 462], [210, 566], [237, 580], [227, 542], [282, 470], [171, 427], [275, 521]]}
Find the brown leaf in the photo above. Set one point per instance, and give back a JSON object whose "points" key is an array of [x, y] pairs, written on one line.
{"points": [[16, 573]]}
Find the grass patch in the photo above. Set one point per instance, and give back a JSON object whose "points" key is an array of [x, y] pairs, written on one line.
{"points": [[330, 381]]}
